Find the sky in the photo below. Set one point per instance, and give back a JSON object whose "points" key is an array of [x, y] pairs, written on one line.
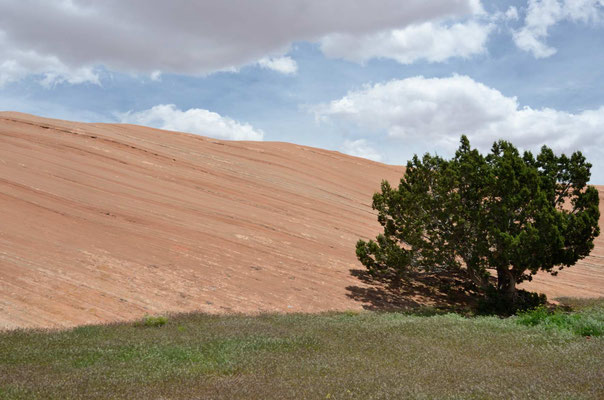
{"points": [[380, 79]]}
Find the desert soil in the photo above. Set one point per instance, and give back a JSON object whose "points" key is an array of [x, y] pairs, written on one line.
{"points": [[107, 222]]}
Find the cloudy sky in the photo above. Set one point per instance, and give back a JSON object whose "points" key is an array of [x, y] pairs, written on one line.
{"points": [[381, 79]]}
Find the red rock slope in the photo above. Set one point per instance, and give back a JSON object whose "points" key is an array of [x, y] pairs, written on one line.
{"points": [[103, 222]]}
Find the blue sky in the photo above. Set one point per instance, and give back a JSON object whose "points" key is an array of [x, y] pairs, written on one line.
{"points": [[382, 79]]}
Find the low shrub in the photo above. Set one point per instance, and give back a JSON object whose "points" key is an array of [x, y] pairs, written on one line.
{"points": [[155, 321], [586, 323]]}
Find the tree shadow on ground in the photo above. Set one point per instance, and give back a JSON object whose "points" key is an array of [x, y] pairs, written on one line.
{"points": [[413, 292]]}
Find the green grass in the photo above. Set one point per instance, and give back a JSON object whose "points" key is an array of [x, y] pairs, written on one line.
{"points": [[150, 320], [350, 355], [587, 322]]}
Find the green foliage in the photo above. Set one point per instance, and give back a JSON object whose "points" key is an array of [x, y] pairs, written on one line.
{"points": [[512, 213], [589, 322], [154, 321]]}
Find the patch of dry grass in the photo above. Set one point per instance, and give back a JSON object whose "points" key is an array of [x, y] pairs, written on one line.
{"points": [[364, 355]]}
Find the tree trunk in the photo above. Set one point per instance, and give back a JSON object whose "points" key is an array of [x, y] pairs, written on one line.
{"points": [[506, 284], [473, 272]]}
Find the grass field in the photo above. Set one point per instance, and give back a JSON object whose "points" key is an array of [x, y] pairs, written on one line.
{"points": [[366, 355]]}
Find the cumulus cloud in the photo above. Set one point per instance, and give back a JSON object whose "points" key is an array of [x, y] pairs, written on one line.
{"points": [[434, 42], [194, 120], [511, 13], [360, 148], [15, 64], [155, 76], [436, 111], [180, 36], [543, 14], [284, 65]]}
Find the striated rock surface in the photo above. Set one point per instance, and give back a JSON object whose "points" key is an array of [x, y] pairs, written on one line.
{"points": [[107, 222]]}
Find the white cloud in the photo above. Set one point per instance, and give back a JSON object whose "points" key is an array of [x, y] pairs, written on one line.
{"points": [[511, 13], [155, 76], [284, 65], [16, 64], [194, 120], [436, 111], [360, 148], [186, 37], [430, 41], [543, 14]]}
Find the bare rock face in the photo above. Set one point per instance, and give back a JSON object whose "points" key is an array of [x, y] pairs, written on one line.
{"points": [[104, 222]]}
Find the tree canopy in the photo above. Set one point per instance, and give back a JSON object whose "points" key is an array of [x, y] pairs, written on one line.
{"points": [[506, 212]]}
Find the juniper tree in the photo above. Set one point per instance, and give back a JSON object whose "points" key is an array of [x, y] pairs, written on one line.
{"points": [[504, 212]]}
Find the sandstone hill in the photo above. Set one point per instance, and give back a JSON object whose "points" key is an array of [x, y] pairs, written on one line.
{"points": [[106, 222]]}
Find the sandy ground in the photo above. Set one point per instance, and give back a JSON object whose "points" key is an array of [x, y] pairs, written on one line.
{"points": [[103, 222]]}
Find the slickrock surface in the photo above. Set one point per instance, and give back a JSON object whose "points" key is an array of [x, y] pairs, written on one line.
{"points": [[103, 222]]}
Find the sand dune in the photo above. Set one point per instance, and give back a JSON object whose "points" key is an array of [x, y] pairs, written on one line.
{"points": [[104, 222]]}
